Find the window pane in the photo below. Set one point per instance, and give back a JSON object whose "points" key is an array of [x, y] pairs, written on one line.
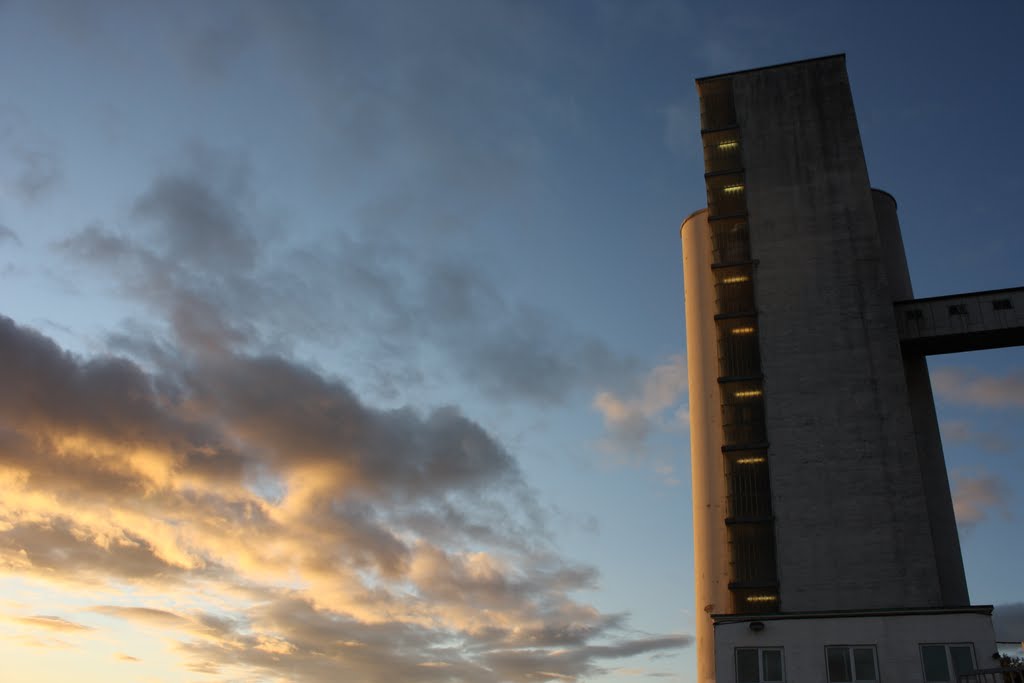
{"points": [[864, 664], [935, 666], [772, 665], [838, 665], [746, 666], [963, 662]]}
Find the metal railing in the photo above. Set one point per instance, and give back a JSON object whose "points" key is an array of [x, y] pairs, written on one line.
{"points": [[996, 675]]}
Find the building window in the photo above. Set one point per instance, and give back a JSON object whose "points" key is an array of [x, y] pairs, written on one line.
{"points": [[946, 663], [958, 309], [848, 664], [1002, 305], [915, 314], [759, 665]]}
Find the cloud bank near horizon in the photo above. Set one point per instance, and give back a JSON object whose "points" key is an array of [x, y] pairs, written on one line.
{"points": [[350, 541]]}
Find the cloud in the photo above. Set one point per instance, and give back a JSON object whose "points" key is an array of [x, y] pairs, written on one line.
{"points": [[681, 119], [194, 224], [1008, 620], [52, 623], [629, 421], [311, 535], [143, 615], [975, 495], [971, 388], [8, 235], [962, 431], [37, 175], [201, 266]]}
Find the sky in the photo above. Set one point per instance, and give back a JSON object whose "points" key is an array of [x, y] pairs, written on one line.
{"points": [[344, 340]]}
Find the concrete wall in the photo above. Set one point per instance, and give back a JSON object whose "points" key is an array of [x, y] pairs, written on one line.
{"points": [[931, 460], [710, 504], [852, 527], [897, 640]]}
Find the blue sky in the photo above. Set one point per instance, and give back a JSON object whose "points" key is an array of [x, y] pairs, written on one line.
{"points": [[347, 338]]}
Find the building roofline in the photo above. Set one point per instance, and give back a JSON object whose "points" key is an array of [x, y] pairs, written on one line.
{"points": [[887, 194], [838, 55], [694, 214], [984, 292], [845, 614]]}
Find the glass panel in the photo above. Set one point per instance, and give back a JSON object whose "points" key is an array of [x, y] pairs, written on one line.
{"points": [[864, 664], [742, 413], [772, 665], [838, 665], [753, 553], [716, 104], [730, 240], [750, 495], [722, 151], [739, 354], [963, 659], [936, 669], [734, 289], [746, 666], [726, 195]]}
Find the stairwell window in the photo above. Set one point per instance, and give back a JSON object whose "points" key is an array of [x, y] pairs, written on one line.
{"points": [[759, 665], [946, 663], [851, 664]]}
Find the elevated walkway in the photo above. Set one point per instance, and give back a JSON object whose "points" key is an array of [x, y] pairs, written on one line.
{"points": [[961, 322]]}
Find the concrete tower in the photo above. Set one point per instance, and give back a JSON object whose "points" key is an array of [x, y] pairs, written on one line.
{"points": [[825, 543]]}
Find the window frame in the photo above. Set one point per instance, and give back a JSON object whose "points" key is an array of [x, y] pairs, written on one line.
{"points": [[853, 662], [950, 664], [760, 661]]}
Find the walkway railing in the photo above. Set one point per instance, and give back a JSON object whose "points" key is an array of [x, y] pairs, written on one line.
{"points": [[998, 675]]}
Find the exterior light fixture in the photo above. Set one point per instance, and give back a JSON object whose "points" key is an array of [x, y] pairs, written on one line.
{"points": [[735, 278], [750, 461], [732, 189], [756, 626], [728, 144], [747, 394], [743, 330], [761, 598]]}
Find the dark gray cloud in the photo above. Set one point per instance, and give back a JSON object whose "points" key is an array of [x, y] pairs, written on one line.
{"points": [[58, 547], [194, 225], [220, 288], [8, 235], [38, 174], [1008, 620], [316, 646]]}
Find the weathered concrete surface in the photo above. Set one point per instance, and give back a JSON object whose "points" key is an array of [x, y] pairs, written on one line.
{"points": [[852, 526]]}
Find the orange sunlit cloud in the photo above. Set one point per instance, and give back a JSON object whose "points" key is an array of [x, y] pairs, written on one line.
{"points": [[260, 517]]}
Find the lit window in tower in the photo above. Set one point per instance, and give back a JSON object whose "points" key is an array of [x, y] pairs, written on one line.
{"points": [[732, 189], [728, 144], [742, 330], [762, 598], [735, 279], [751, 393], [750, 461]]}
